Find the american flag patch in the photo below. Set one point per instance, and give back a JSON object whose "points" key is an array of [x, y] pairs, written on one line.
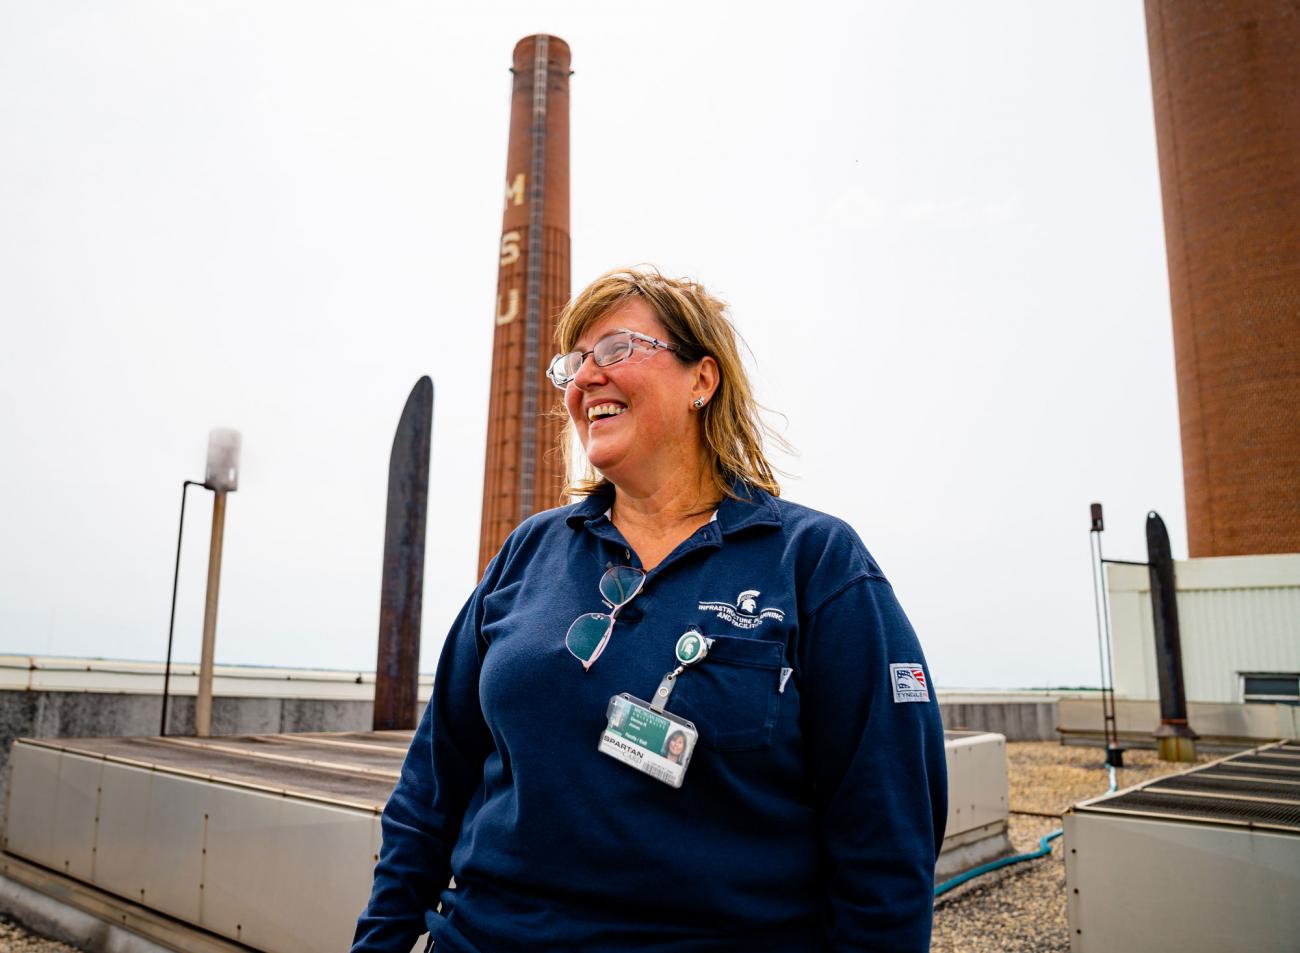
{"points": [[908, 679]]}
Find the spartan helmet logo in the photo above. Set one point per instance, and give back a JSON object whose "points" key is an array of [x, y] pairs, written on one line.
{"points": [[747, 601]]}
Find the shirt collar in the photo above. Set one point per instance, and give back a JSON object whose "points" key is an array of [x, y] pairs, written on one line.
{"points": [[756, 507]]}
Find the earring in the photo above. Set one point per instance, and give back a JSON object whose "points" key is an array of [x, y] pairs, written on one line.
{"points": [[699, 402]]}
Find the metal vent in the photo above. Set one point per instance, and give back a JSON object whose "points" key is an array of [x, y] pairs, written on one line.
{"points": [[1208, 859], [1246, 770], [1256, 813], [1257, 789], [1288, 791], [1283, 761]]}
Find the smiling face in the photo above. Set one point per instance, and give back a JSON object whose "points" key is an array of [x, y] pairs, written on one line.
{"points": [[676, 745], [635, 418]]}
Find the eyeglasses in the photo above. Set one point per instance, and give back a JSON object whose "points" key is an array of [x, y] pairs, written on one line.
{"points": [[611, 349], [590, 632]]}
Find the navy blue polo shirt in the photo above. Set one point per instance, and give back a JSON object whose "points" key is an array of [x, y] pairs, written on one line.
{"points": [[814, 804]]}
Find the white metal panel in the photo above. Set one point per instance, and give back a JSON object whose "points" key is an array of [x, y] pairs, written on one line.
{"points": [[76, 816], [125, 830], [1263, 721], [173, 865], [239, 863], [977, 781], [1129, 594], [1279, 570], [285, 875], [1236, 614], [30, 802], [1234, 631], [1288, 720], [1170, 887], [281, 874]]}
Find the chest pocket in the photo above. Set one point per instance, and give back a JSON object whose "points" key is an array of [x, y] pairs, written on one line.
{"points": [[732, 696]]}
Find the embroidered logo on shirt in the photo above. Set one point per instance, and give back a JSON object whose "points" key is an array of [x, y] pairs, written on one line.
{"points": [[909, 682], [744, 613]]}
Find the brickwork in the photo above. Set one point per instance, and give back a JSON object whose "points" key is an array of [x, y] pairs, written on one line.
{"points": [[1225, 78], [523, 474]]}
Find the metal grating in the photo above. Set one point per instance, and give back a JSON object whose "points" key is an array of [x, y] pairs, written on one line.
{"points": [[1257, 788], [1246, 770], [1207, 808], [1270, 760], [1215, 784]]}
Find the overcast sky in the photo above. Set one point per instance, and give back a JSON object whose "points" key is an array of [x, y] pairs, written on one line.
{"points": [[938, 226]]}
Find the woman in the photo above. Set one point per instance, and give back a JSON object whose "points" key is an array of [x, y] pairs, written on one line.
{"points": [[812, 808], [675, 747]]}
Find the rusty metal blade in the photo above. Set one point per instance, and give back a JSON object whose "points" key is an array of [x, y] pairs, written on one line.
{"points": [[402, 592]]}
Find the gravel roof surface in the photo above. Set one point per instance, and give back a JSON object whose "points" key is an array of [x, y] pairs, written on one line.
{"points": [[1021, 908], [14, 939]]}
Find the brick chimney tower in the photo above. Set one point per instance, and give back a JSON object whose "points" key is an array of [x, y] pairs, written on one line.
{"points": [[1225, 78], [524, 473]]}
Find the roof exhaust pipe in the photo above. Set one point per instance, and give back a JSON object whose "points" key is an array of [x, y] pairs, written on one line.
{"points": [[1175, 739]]}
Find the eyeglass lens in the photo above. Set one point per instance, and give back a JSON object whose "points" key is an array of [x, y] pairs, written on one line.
{"points": [[589, 632], [620, 584], [586, 634], [610, 349]]}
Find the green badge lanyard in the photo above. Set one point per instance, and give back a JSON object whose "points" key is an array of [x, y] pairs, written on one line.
{"points": [[692, 647]]}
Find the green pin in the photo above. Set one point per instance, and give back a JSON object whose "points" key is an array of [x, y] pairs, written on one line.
{"points": [[691, 647]]}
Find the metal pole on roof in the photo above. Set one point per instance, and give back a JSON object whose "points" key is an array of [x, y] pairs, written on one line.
{"points": [[222, 478], [1110, 728], [171, 626]]}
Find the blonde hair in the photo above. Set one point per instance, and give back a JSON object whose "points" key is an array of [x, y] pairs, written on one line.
{"points": [[733, 427]]}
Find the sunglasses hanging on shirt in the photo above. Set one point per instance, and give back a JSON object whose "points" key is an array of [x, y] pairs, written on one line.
{"points": [[590, 632]]}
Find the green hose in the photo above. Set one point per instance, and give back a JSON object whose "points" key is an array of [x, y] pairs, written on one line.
{"points": [[1044, 848]]}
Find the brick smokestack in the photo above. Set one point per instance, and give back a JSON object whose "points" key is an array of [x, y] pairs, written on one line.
{"points": [[1225, 78], [524, 473]]}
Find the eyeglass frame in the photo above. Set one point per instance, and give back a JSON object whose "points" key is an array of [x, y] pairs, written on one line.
{"points": [[611, 615], [634, 335]]}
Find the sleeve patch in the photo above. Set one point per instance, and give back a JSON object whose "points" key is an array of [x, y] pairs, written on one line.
{"points": [[908, 679]]}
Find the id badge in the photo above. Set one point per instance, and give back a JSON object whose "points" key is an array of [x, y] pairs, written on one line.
{"points": [[658, 743]]}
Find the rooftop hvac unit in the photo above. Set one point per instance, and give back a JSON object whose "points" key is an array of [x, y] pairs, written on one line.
{"points": [[1206, 860], [271, 840]]}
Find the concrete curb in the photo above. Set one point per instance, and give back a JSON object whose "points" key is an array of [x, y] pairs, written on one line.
{"points": [[58, 921], [67, 910]]}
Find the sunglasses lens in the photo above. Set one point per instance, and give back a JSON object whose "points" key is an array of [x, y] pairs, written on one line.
{"points": [[586, 635], [620, 584]]}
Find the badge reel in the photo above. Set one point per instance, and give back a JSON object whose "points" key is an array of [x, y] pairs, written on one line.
{"points": [[644, 735]]}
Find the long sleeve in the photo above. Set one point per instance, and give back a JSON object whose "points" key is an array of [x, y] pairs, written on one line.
{"points": [[422, 819], [878, 770]]}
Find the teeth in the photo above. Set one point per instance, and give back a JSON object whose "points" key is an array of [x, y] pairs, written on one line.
{"points": [[602, 410]]}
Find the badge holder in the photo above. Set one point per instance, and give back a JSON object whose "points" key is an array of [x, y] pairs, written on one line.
{"points": [[646, 736]]}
